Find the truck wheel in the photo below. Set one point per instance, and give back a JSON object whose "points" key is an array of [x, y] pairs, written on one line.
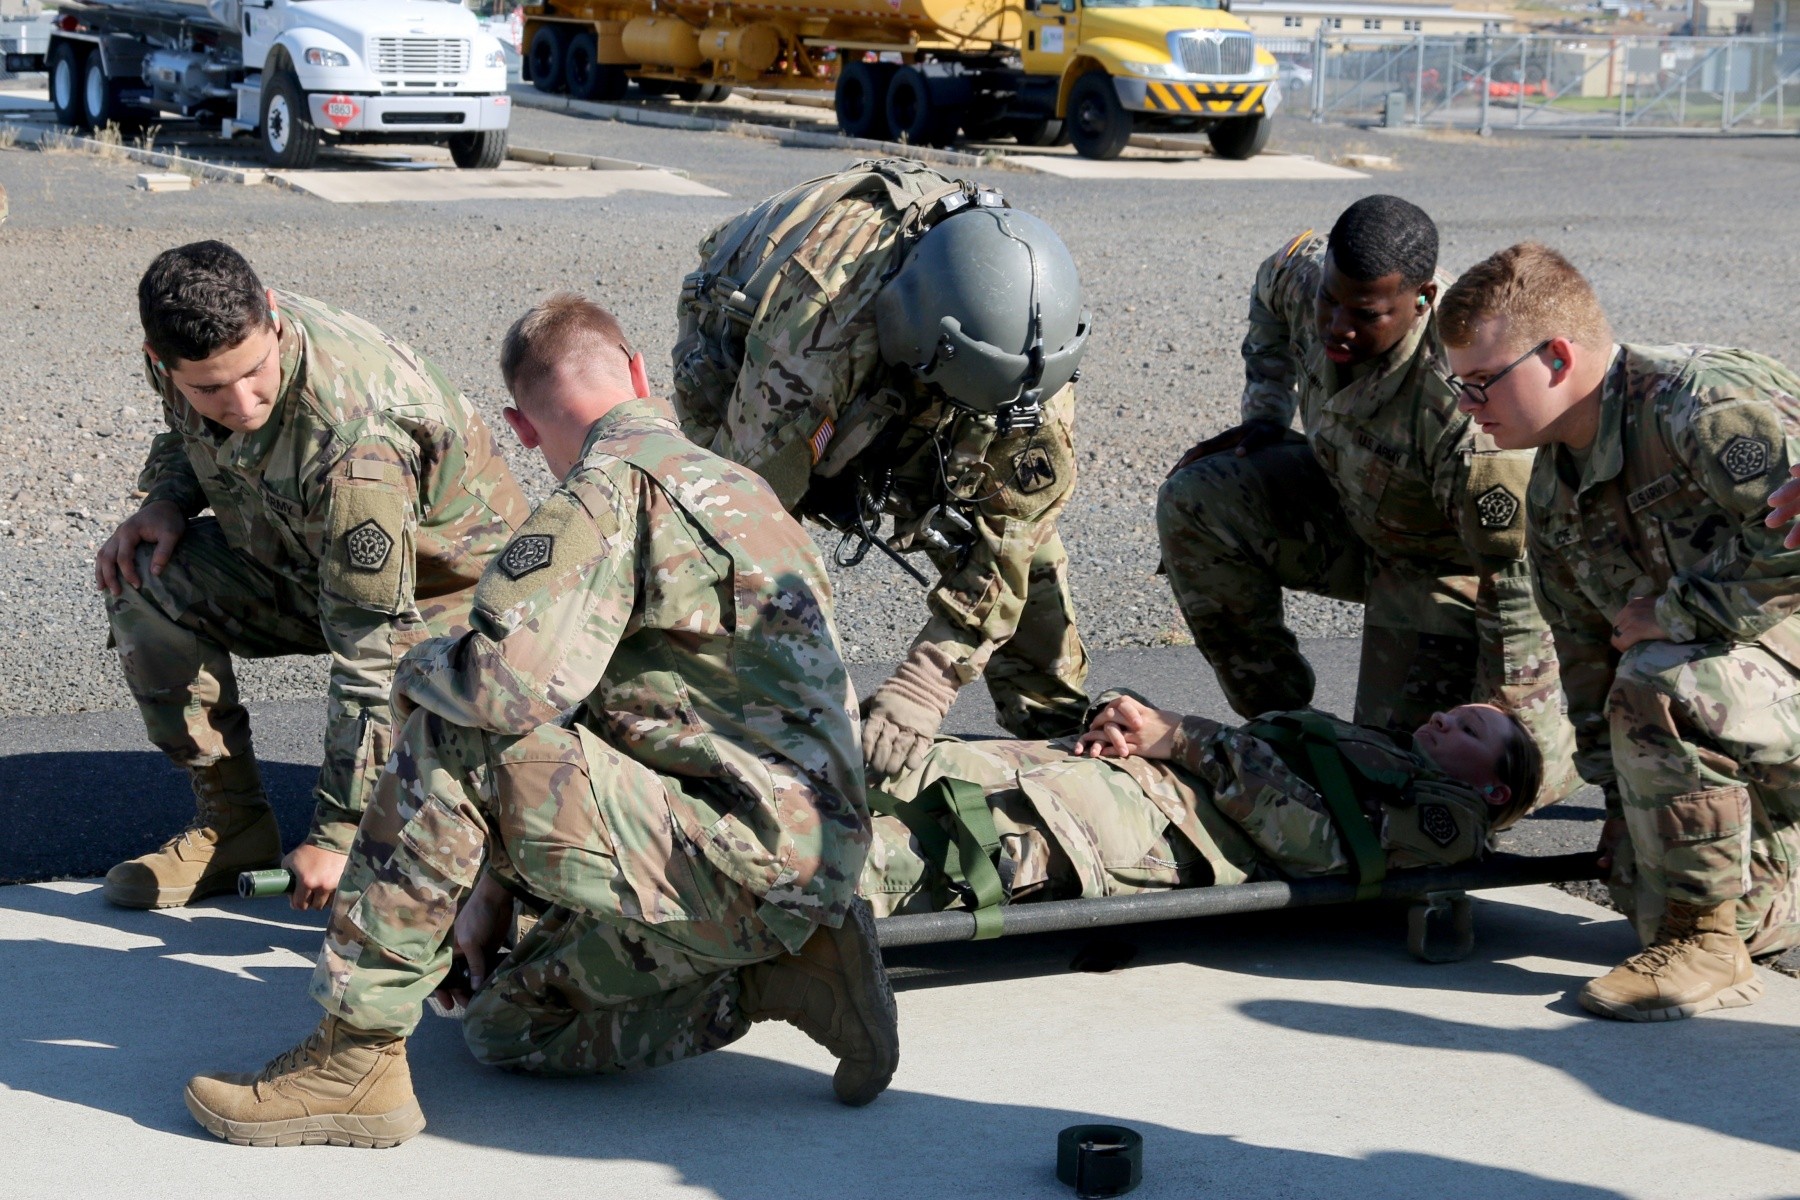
{"points": [[1035, 131], [65, 84], [480, 150], [589, 79], [717, 93], [1240, 138], [1098, 124], [861, 99], [102, 97], [290, 139], [918, 116], [546, 55]]}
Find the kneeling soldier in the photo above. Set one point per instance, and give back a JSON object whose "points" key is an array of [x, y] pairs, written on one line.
{"points": [[1672, 605], [691, 834]]}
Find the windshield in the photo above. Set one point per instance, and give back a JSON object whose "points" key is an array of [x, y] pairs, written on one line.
{"points": [[1151, 3]]}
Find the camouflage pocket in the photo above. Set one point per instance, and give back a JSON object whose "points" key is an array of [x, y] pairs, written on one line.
{"points": [[410, 906]]}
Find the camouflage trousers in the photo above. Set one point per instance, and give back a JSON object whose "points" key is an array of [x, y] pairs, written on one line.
{"points": [[634, 963], [176, 634], [1068, 827], [1705, 741], [1236, 531]]}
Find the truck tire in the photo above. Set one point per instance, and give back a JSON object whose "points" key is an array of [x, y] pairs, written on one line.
{"points": [[1098, 124], [861, 99], [546, 56], [1239, 138], [586, 77], [718, 92], [916, 111], [64, 69], [103, 98], [480, 150], [290, 140], [1036, 131]]}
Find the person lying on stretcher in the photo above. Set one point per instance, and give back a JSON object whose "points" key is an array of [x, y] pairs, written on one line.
{"points": [[1150, 799]]}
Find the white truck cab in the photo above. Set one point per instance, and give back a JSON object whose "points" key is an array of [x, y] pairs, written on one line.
{"points": [[292, 72]]}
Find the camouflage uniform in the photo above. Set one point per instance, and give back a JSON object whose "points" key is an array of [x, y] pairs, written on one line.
{"points": [[1700, 733], [700, 809], [1392, 499], [354, 523], [813, 409], [1222, 809]]}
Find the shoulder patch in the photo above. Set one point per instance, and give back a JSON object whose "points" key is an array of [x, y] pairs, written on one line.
{"points": [[527, 553], [1496, 508], [1033, 471], [1745, 457], [367, 546], [1438, 823]]}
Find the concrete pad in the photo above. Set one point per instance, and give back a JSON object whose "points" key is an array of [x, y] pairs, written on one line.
{"points": [[1261, 169], [164, 182], [1279, 1056], [510, 182]]}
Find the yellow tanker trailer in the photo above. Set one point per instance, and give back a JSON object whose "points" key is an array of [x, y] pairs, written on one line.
{"points": [[924, 71]]}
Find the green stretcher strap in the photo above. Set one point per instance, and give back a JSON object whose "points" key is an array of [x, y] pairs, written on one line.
{"points": [[968, 858], [1317, 736]]}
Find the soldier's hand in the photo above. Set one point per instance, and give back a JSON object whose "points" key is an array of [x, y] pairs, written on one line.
{"points": [[903, 715], [316, 872], [891, 745], [1636, 623], [1245, 439], [1128, 726], [1785, 500], [1610, 834], [160, 523], [482, 925]]}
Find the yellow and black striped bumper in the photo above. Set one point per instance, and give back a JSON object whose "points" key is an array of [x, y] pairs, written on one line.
{"points": [[1204, 99]]}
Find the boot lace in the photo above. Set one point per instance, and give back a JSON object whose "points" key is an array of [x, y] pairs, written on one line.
{"points": [[306, 1053]]}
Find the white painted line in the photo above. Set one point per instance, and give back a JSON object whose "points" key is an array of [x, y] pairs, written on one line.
{"points": [[384, 187], [1263, 168]]}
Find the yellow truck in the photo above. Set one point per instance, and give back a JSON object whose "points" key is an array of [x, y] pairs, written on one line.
{"points": [[925, 71]]}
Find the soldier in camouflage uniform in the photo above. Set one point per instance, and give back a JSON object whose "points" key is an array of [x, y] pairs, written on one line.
{"points": [[1386, 497], [847, 341], [1150, 800], [355, 498], [1673, 608], [691, 832]]}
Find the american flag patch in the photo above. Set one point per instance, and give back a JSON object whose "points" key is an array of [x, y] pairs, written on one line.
{"points": [[821, 438]]}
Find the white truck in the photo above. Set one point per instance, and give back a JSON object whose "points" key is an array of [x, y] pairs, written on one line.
{"points": [[291, 72]]}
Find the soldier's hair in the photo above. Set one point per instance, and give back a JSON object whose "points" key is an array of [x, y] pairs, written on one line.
{"points": [[566, 326], [198, 299], [1537, 290], [1381, 235], [1521, 769]]}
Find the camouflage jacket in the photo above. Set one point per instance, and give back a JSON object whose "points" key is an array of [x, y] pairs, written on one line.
{"points": [[813, 402], [1422, 486], [662, 594], [1668, 502], [1432, 820], [374, 482]]}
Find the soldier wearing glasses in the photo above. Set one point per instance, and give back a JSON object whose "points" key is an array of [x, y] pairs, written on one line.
{"points": [[1386, 496]]}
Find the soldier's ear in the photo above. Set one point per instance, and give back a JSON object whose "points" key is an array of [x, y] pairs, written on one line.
{"points": [[274, 308], [521, 425], [1497, 795], [156, 364], [640, 377]]}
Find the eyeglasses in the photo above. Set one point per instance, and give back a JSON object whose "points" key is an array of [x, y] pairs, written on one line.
{"points": [[1477, 393]]}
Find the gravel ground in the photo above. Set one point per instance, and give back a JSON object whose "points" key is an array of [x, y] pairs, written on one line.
{"points": [[1166, 265]]}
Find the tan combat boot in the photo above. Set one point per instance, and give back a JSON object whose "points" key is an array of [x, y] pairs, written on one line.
{"points": [[233, 830], [836, 991], [1696, 964], [342, 1086]]}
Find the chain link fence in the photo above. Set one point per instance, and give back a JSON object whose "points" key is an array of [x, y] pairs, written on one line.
{"points": [[1545, 81]]}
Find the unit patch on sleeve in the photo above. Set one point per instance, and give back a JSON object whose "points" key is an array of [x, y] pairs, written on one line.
{"points": [[529, 552], [1033, 471], [1496, 508], [367, 546], [1438, 823], [1745, 457]]}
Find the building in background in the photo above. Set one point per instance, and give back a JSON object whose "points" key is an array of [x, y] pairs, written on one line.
{"points": [[1282, 25]]}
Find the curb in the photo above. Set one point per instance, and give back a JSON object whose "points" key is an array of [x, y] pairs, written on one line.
{"points": [[593, 162], [628, 114], [37, 135]]}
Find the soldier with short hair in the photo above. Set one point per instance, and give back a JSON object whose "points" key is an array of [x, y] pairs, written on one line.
{"points": [[1673, 606], [1149, 799], [1386, 497], [889, 342], [689, 835], [355, 496]]}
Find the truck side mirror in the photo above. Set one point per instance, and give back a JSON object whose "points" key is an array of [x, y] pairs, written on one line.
{"points": [[1067, 6]]}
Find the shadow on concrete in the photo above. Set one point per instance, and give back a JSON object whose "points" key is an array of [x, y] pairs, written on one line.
{"points": [[124, 1006], [75, 813], [1736, 1076]]}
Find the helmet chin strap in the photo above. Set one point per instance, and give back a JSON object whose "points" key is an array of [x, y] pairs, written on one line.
{"points": [[1026, 411]]}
